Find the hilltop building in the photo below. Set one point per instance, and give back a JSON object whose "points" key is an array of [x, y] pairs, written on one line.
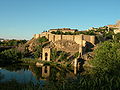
{"points": [[63, 30], [116, 27]]}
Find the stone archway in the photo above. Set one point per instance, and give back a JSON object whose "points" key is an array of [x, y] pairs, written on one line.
{"points": [[46, 54]]}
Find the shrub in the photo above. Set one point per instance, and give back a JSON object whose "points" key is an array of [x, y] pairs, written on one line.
{"points": [[11, 55], [42, 39], [107, 57]]}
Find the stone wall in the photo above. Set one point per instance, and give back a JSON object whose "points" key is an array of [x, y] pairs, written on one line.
{"points": [[86, 38], [36, 36], [92, 39], [68, 37], [77, 38], [117, 31], [58, 37], [51, 37]]}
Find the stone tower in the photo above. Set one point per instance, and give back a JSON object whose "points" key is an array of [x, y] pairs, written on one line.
{"points": [[46, 54]]}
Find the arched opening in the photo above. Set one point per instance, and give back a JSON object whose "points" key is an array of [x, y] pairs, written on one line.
{"points": [[46, 56], [45, 69]]}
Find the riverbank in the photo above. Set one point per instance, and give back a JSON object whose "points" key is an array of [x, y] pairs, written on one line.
{"points": [[44, 63]]}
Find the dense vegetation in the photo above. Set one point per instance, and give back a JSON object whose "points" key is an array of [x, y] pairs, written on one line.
{"points": [[117, 37], [107, 57], [12, 42], [11, 56], [41, 42], [21, 51], [90, 32]]}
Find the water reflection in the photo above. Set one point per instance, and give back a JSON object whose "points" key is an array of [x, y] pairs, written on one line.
{"points": [[25, 74], [22, 76], [53, 73], [45, 71]]}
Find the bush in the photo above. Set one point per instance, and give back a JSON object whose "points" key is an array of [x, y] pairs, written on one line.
{"points": [[10, 55], [54, 54], [42, 39], [107, 57], [12, 42], [117, 37], [38, 51]]}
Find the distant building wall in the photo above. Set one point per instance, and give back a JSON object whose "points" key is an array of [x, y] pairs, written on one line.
{"points": [[117, 31], [51, 37], [92, 39], [36, 36], [46, 34], [79, 39], [68, 37], [58, 37], [86, 38], [89, 38]]}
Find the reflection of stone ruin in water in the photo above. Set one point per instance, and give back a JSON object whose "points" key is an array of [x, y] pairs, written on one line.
{"points": [[46, 72], [40, 72]]}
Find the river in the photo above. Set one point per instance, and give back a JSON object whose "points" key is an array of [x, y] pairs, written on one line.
{"points": [[30, 73]]}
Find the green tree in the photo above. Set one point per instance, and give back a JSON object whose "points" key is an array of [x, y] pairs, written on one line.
{"points": [[91, 32], [54, 54], [10, 55], [107, 57], [12, 42], [117, 37], [42, 39], [38, 51]]}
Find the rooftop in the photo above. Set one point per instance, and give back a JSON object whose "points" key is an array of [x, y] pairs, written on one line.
{"points": [[64, 29]]}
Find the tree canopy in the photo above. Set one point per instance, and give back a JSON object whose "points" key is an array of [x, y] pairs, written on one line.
{"points": [[107, 57], [12, 42]]}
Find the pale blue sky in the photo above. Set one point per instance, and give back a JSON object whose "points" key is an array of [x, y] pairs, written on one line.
{"points": [[21, 19]]}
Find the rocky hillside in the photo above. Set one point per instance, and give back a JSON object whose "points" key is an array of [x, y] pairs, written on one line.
{"points": [[67, 46], [62, 45]]}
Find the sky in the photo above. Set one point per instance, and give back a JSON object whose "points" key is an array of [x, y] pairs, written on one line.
{"points": [[21, 19]]}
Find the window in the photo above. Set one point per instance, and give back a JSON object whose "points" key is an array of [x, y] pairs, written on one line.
{"points": [[45, 69], [46, 56]]}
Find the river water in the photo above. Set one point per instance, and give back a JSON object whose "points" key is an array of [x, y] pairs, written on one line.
{"points": [[31, 73]]}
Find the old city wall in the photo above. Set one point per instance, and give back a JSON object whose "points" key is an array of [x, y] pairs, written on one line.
{"points": [[68, 37], [57, 37], [79, 39]]}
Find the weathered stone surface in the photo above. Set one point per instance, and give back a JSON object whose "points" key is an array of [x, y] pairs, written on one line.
{"points": [[67, 45]]}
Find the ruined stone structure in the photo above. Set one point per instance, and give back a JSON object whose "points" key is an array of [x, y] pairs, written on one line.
{"points": [[46, 54], [81, 40], [116, 26], [117, 31]]}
